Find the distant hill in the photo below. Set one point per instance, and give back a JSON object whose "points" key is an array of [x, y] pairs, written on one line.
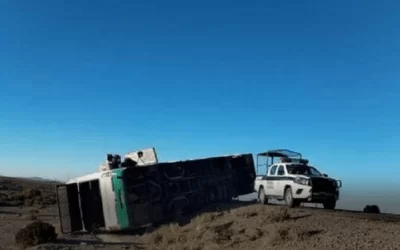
{"points": [[43, 179], [34, 179]]}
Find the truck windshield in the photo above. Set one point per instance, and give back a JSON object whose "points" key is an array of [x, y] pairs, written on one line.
{"points": [[302, 169]]}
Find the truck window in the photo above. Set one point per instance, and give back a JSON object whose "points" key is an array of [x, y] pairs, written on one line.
{"points": [[273, 170], [302, 169], [281, 171], [315, 172]]}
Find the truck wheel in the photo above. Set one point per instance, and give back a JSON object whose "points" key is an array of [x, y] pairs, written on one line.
{"points": [[330, 204], [296, 203], [261, 196], [290, 202]]}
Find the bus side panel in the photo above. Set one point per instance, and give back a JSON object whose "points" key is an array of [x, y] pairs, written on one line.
{"points": [[68, 207], [121, 205], [109, 201], [244, 174], [139, 187]]}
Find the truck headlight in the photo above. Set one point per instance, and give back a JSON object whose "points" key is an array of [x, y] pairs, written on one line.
{"points": [[302, 181]]}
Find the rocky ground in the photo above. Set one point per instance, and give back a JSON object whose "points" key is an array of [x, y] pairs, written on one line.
{"points": [[234, 226]]}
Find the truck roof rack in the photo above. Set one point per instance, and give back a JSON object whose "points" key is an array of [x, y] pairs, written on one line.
{"points": [[285, 154], [281, 153]]}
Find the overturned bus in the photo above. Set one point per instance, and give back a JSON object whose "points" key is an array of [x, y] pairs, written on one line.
{"points": [[140, 191]]}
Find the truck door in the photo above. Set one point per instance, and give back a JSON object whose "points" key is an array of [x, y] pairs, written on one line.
{"points": [[68, 208], [281, 181], [271, 182]]}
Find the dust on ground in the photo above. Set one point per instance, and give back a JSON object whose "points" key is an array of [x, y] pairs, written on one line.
{"points": [[226, 226]]}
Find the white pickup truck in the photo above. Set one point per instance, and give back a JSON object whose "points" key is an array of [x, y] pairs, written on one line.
{"points": [[294, 181]]}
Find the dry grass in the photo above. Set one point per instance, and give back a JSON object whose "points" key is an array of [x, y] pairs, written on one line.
{"points": [[31, 193], [214, 230], [33, 214], [166, 235], [304, 235], [27, 197], [25, 192], [34, 211], [265, 215], [280, 216], [33, 217], [279, 237]]}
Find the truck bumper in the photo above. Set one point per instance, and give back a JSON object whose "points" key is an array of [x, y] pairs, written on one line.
{"points": [[305, 193], [302, 192], [321, 197]]}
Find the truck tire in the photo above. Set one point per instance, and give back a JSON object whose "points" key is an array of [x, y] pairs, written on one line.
{"points": [[262, 197], [290, 202], [330, 204]]}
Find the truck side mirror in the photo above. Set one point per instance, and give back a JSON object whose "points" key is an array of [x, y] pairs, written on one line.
{"points": [[325, 175], [339, 184]]}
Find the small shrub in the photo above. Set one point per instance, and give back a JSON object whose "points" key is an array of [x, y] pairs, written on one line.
{"points": [[31, 193], [48, 201], [280, 216], [15, 198], [26, 197], [35, 233], [373, 209]]}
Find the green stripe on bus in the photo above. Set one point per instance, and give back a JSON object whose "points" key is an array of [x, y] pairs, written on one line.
{"points": [[121, 206]]}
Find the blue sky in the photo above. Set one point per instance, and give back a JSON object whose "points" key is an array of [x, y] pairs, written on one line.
{"points": [[85, 78]]}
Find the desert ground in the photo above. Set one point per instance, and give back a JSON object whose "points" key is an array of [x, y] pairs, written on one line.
{"points": [[238, 225]]}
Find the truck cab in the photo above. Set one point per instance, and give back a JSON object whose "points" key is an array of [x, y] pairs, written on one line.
{"points": [[294, 181]]}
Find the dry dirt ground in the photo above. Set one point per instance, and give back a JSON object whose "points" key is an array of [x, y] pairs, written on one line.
{"points": [[233, 226]]}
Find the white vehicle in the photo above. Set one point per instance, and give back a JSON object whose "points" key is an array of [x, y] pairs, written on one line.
{"points": [[294, 181]]}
